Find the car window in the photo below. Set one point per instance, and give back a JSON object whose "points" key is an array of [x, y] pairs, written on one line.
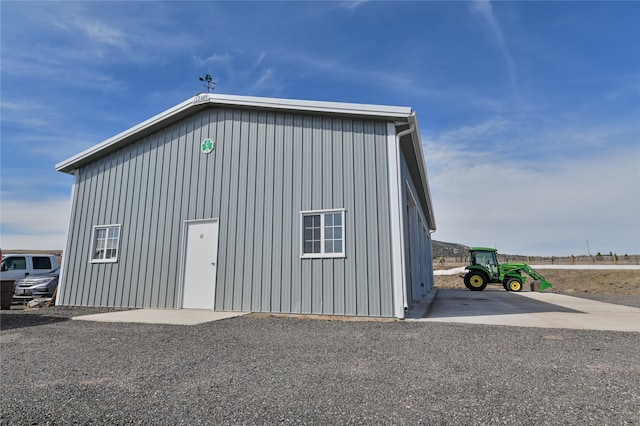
{"points": [[14, 263], [41, 262]]}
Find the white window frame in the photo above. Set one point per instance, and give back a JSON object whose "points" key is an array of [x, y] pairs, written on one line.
{"points": [[94, 240], [322, 214]]}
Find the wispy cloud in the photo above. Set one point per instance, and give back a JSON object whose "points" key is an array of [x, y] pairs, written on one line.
{"points": [[484, 9], [352, 4]]}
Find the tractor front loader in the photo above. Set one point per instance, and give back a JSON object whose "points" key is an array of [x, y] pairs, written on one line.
{"points": [[484, 268]]}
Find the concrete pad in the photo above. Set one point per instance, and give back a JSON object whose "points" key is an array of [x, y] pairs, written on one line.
{"points": [[161, 316], [530, 309]]}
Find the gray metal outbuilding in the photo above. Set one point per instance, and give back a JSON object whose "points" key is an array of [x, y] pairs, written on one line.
{"points": [[238, 203]]}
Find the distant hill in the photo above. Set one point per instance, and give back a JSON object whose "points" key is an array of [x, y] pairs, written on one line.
{"points": [[444, 249]]}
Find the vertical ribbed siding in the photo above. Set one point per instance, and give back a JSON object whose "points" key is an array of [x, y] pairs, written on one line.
{"points": [[265, 169], [419, 265]]}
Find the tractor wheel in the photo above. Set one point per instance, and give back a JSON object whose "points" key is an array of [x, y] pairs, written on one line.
{"points": [[514, 284], [475, 281], [505, 286]]}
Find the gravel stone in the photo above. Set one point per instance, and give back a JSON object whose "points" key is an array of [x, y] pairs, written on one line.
{"points": [[261, 369]]}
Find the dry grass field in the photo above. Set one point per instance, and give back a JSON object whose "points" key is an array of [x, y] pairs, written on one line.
{"points": [[573, 281]]}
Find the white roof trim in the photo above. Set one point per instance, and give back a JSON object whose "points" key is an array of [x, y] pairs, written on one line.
{"points": [[202, 100], [302, 105]]}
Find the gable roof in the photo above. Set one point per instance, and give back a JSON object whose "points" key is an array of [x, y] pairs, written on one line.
{"points": [[401, 116]]}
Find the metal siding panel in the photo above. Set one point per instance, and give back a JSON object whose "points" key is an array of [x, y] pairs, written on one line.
{"points": [[371, 206], [267, 230], [138, 270], [223, 298], [171, 249], [126, 201], [384, 223], [289, 218], [296, 206], [277, 146], [150, 247], [232, 291], [179, 214], [80, 259], [351, 246], [242, 215], [200, 160], [191, 169], [251, 213], [129, 236], [256, 294], [360, 216], [160, 226], [219, 153], [219, 209]]}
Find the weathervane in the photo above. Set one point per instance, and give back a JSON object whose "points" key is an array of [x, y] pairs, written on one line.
{"points": [[209, 83]]}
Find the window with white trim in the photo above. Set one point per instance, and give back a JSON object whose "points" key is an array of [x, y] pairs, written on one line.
{"points": [[322, 233], [105, 243]]}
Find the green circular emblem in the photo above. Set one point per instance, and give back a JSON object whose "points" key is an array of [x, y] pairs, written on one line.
{"points": [[207, 146]]}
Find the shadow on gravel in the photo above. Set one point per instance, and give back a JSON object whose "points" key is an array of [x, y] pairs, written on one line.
{"points": [[11, 321], [461, 303]]}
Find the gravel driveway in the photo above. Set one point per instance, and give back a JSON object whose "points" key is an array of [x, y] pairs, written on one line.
{"points": [[269, 370]]}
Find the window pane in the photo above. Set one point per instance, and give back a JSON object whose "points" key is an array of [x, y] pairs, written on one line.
{"points": [[316, 221], [328, 247], [337, 246], [337, 233], [308, 221], [328, 233], [337, 218], [308, 247], [316, 246], [316, 234], [308, 234], [113, 232], [328, 219]]}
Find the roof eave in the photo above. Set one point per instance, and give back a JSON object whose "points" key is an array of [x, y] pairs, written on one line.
{"points": [[417, 147]]}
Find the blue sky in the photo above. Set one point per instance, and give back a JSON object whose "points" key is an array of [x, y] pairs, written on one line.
{"points": [[529, 111]]}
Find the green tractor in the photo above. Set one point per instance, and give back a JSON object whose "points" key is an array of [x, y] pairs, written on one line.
{"points": [[484, 269]]}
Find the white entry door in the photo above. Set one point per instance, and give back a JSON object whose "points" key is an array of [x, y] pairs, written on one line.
{"points": [[201, 255]]}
